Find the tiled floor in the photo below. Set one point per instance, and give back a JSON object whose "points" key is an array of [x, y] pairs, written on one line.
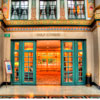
{"points": [[49, 90]]}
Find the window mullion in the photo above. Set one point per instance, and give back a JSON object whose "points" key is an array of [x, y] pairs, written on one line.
{"points": [[76, 9], [48, 9]]}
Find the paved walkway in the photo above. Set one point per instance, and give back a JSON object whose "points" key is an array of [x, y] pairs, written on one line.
{"points": [[49, 90]]}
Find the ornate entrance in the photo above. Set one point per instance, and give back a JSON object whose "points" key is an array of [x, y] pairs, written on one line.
{"points": [[49, 62]]}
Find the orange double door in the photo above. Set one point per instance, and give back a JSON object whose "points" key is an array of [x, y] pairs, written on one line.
{"points": [[48, 62]]}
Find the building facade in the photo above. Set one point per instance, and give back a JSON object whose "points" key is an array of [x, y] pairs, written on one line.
{"points": [[50, 42]]}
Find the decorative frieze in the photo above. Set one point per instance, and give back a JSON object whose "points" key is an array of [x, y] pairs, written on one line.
{"points": [[33, 29]]}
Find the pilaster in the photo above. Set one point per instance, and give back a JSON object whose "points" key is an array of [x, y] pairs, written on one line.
{"points": [[62, 10]]}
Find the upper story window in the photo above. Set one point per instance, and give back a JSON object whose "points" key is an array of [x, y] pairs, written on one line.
{"points": [[76, 9], [19, 9], [48, 9]]}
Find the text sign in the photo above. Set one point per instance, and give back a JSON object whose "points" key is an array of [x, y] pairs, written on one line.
{"points": [[8, 67]]}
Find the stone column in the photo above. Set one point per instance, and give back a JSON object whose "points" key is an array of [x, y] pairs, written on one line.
{"points": [[62, 10]]}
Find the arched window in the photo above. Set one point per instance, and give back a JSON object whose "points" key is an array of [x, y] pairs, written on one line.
{"points": [[76, 9], [48, 9], [19, 9]]}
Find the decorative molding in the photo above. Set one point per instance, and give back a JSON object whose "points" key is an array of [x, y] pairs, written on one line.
{"points": [[47, 22], [32, 29]]}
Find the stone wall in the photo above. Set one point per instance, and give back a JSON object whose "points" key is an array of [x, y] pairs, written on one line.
{"points": [[96, 48], [1, 56]]}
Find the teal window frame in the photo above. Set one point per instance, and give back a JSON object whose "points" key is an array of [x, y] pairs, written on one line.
{"points": [[19, 11], [76, 16], [48, 5]]}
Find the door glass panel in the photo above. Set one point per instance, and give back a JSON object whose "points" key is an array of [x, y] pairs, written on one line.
{"points": [[28, 66], [80, 54], [16, 45], [16, 61], [16, 54], [68, 62], [79, 45], [66, 53], [28, 46], [68, 46], [80, 61]]}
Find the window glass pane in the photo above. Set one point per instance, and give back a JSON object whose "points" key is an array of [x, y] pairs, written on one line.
{"points": [[79, 45], [28, 46], [19, 9], [76, 9], [68, 46], [48, 9], [16, 45]]}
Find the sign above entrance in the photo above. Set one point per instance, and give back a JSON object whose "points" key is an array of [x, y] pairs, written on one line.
{"points": [[48, 34], [8, 67]]}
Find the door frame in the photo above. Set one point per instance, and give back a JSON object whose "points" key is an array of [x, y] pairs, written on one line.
{"points": [[75, 61], [21, 52], [61, 40]]}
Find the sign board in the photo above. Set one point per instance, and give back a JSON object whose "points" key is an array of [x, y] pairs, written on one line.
{"points": [[8, 67]]}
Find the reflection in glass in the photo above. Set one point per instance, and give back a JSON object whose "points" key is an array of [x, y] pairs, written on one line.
{"points": [[70, 69], [70, 54], [16, 59], [70, 79], [66, 54], [28, 46], [68, 46], [16, 64], [79, 45], [80, 74], [70, 59], [65, 58], [16, 54], [80, 79], [76, 9], [79, 64], [26, 54], [25, 59], [80, 53], [66, 64], [65, 74], [80, 68], [16, 45], [26, 64], [70, 64], [48, 9], [65, 79]]}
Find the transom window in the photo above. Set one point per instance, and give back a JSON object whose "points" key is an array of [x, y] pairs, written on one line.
{"points": [[19, 9], [48, 9], [76, 9]]}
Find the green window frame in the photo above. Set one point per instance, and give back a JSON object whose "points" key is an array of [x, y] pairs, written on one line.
{"points": [[19, 9], [76, 9], [48, 9]]}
